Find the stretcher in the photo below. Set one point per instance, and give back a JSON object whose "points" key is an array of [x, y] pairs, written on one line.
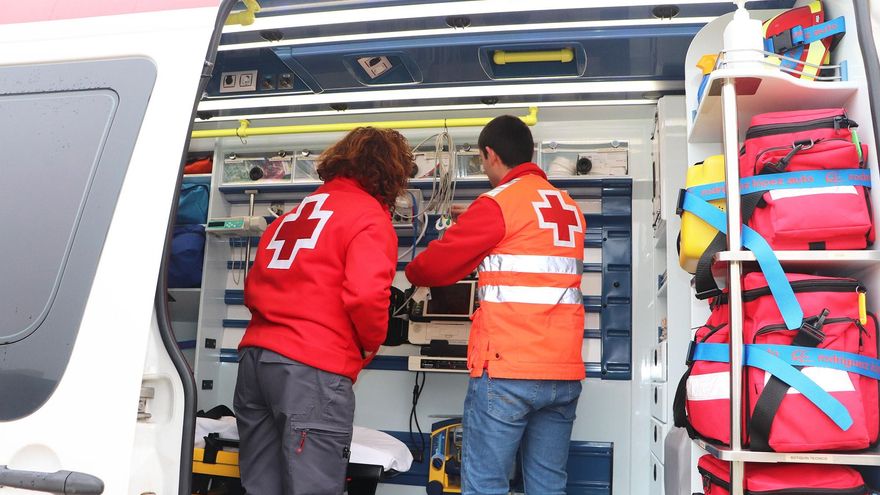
{"points": [[375, 456]]}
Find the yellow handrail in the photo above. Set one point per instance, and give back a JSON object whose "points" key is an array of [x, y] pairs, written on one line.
{"points": [[244, 17], [244, 130], [564, 55]]}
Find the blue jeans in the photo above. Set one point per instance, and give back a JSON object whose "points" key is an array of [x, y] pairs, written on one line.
{"points": [[502, 416]]}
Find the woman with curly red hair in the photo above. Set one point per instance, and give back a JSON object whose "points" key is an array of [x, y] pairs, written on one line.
{"points": [[318, 294]]}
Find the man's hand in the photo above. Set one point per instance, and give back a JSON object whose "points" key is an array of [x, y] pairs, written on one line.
{"points": [[457, 210]]}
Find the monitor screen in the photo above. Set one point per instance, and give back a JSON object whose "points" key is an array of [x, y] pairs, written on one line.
{"points": [[452, 300]]}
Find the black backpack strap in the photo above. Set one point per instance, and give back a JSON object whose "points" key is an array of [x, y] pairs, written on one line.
{"points": [[679, 411], [809, 335], [215, 444], [704, 282]]}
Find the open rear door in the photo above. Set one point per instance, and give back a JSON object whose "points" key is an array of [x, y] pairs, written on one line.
{"points": [[96, 99]]}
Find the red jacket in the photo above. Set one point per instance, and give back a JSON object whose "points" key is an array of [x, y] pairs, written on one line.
{"points": [[320, 285], [461, 249]]}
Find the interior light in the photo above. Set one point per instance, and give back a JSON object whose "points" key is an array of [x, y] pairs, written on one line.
{"points": [[665, 11], [500, 90], [272, 35], [435, 108], [458, 21]]}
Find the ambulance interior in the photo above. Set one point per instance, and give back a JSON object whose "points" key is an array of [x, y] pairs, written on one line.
{"points": [[622, 97], [618, 104]]}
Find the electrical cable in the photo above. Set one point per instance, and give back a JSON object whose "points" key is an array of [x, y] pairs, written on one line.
{"points": [[418, 388], [443, 178], [403, 305], [236, 257], [442, 195], [418, 239], [442, 188]]}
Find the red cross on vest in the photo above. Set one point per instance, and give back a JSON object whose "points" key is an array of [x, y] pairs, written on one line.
{"points": [[299, 230], [562, 218]]}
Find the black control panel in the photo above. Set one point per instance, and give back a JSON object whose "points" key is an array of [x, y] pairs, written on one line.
{"points": [[444, 364]]}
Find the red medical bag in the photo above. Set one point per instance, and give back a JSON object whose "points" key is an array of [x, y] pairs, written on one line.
{"points": [[804, 186], [836, 342], [831, 216], [766, 479]]}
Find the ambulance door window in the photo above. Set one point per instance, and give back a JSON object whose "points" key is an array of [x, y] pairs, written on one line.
{"points": [[66, 137]]}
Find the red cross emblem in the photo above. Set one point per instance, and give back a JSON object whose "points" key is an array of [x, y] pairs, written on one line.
{"points": [[562, 218], [299, 230]]}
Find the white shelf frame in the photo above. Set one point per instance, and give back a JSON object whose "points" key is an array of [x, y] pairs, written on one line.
{"points": [[733, 201], [866, 257], [869, 457], [762, 91], [836, 263], [767, 91], [734, 258]]}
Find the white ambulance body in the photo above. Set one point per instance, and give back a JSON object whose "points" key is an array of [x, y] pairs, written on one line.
{"points": [[98, 104]]}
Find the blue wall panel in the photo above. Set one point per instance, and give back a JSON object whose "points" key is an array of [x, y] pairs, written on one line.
{"points": [[611, 231]]}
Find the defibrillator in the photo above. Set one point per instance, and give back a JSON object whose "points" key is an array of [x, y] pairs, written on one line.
{"points": [[444, 472], [696, 234]]}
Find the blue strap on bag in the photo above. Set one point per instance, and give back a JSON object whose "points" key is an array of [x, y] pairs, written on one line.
{"points": [[808, 179], [761, 357], [776, 279], [696, 201]]}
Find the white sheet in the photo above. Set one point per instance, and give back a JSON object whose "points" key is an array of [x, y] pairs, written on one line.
{"points": [[225, 426], [368, 446], [377, 447]]}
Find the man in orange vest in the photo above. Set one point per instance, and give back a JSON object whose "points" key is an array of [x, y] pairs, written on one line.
{"points": [[526, 238]]}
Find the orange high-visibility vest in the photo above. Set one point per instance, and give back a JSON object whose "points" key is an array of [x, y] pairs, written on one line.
{"points": [[530, 324]]}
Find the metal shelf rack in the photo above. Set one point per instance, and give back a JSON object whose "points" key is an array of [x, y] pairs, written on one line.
{"points": [[869, 457], [733, 95]]}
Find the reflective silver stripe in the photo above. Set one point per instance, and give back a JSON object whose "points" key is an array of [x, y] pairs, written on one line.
{"points": [[530, 295], [526, 263]]}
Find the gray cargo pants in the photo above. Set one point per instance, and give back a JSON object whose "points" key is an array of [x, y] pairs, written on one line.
{"points": [[295, 424]]}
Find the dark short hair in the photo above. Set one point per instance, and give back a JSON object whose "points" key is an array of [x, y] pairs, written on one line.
{"points": [[511, 139], [379, 159]]}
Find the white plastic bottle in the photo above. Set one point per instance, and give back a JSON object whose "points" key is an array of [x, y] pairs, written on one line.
{"points": [[744, 41]]}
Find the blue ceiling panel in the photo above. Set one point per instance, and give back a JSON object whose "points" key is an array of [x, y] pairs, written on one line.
{"points": [[649, 52], [621, 53]]}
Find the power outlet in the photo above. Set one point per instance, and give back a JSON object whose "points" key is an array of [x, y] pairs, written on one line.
{"points": [[285, 81], [267, 83], [238, 82], [375, 66]]}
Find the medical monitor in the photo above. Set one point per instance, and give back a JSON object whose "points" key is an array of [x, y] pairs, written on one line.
{"points": [[442, 313], [451, 301]]}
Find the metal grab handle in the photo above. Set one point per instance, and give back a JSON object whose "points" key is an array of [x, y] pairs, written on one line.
{"points": [[59, 482]]}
